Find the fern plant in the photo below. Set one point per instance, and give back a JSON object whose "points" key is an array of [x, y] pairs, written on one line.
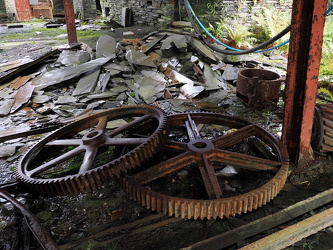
{"points": [[328, 95]]}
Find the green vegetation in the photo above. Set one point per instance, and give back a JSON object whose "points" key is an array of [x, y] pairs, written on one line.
{"points": [[241, 32], [326, 68], [269, 22], [328, 94]]}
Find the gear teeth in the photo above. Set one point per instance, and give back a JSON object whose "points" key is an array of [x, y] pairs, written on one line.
{"points": [[217, 208], [97, 177]]}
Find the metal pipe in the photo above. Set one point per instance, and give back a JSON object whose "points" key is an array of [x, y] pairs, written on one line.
{"points": [[70, 21], [308, 18]]}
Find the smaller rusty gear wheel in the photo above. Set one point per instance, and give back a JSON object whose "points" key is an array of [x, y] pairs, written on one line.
{"points": [[185, 181], [86, 153]]}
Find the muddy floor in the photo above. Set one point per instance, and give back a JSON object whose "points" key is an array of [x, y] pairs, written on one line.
{"points": [[106, 218]]}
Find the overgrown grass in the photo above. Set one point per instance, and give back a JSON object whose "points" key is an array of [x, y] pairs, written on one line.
{"points": [[326, 68]]}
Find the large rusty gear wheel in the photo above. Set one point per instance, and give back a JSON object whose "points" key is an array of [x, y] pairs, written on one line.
{"points": [[199, 151], [92, 145]]}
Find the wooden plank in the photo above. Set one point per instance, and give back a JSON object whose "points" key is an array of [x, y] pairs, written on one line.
{"points": [[294, 233], [235, 235]]}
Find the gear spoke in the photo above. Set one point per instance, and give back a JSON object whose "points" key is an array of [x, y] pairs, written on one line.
{"points": [[245, 161], [192, 129], [125, 141], [65, 142], [233, 138], [88, 159], [102, 123], [54, 162], [129, 125], [163, 168], [209, 178]]}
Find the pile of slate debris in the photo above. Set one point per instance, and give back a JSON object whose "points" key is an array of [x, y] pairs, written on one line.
{"points": [[41, 86]]}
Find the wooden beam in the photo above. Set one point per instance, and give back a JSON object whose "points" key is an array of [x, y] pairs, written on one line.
{"points": [[235, 235]]}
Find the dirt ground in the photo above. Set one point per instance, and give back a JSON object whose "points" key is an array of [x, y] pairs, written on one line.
{"points": [[108, 219]]}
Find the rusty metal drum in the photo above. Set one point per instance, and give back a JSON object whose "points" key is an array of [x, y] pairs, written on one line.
{"points": [[258, 87], [322, 130]]}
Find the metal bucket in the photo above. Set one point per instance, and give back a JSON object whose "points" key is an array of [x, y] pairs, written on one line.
{"points": [[258, 87], [322, 130]]}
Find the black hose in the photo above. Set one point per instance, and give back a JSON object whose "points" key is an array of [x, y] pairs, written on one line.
{"points": [[228, 52]]}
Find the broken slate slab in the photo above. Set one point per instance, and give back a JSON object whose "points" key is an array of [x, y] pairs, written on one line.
{"points": [[70, 57], [66, 99], [202, 49], [22, 96], [151, 89], [5, 106], [87, 83], [178, 41], [102, 82], [59, 75], [147, 47], [230, 73], [7, 151], [212, 79], [190, 91], [139, 58], [106, 46]]}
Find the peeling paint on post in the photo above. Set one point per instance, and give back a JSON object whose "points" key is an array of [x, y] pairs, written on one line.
{"points": [[70, 21], [306, 40]]}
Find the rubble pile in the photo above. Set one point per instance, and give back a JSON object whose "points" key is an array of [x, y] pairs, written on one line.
{"points": [[42, 87], [163, 67]]}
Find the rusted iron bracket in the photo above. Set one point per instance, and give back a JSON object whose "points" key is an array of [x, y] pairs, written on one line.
{"points": [[306, 40], [43, 237], [235, 235]]}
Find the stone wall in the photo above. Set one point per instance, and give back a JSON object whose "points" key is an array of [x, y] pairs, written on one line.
{"points": [[85, 9], [157, 13], [161, 13], [9, 8]]}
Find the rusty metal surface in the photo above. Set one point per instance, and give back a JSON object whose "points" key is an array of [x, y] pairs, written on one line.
{"points": [[43, 237], [47, 166], [306, 39], [322, 135], [70, 21], [258, 87], [205, 153]]}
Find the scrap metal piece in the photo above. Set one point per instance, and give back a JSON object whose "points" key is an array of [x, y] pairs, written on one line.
{"points": [[258, 87], [207, 154], [322, 135], [43, 237], [84, 154]]}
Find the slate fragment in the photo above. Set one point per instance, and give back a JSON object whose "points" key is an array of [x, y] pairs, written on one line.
{"points": [[59, 75], [106, 46], [70, 57], [5, 106], [22, 96], [87, 83]]}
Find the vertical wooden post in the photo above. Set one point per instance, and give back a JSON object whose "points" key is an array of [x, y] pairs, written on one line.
{"points": [[70, 21], [306, 38]]}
